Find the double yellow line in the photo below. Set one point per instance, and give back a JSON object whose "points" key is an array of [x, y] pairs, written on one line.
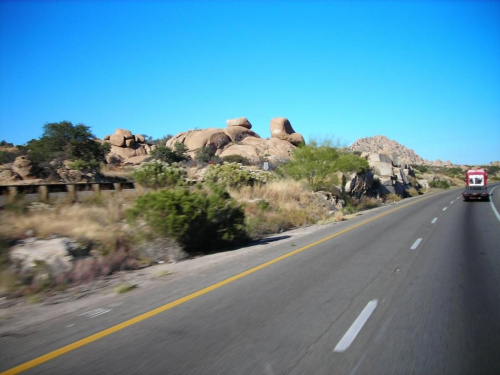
{"points": [[99, 335]]}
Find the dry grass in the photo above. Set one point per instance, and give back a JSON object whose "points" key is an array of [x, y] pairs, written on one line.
{"points": [[279, 206], [100, 223]]}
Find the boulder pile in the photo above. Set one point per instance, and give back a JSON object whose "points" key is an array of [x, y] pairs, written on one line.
{"points": [[127, 147], [238, 139]]}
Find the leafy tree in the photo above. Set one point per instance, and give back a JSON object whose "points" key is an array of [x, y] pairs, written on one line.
{"points": [[63, 140], [317, 164], [6, 144]]}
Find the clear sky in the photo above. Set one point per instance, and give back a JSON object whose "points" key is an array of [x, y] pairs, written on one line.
{"points": [[423, 73]]}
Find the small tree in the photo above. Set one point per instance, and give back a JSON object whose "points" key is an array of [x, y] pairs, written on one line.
{"points": [[317, 164], [63, 140]]}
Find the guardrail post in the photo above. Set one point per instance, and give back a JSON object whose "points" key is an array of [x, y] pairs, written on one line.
{"points": [[117, 186], [43, 192], [97, 189], [71, 192], [12, 194]]}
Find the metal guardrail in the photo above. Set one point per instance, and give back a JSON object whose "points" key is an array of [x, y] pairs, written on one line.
{"points": [[49, 192]]}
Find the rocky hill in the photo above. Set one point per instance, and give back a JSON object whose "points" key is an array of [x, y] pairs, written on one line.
{"points": [[382, 144]]}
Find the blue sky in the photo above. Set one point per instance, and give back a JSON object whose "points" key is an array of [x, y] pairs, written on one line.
{"points": [[423, 73]]}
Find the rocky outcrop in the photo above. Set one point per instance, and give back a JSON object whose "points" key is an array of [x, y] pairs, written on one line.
{"points": [[252, 148], [43, 260], [380, 144], [240, 121], [282, 129], [22, 167], [127, 147], [238, 139]]}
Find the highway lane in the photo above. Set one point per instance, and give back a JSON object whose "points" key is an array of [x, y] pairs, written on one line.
{"points": [[433, 289]]}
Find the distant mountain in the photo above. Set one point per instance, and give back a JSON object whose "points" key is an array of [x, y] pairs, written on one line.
{"points": [[382, 144]]}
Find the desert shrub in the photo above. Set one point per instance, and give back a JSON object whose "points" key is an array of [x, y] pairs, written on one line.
{"points": [[168, 155], [411, 192], [391, 197], [236, 159], [84, 164], [233, 175], [367, 203], [279, 205], [439, 184], [200, 221], [157, 175], [317, 164], [8, 156], [420, 168], [207, 154]]}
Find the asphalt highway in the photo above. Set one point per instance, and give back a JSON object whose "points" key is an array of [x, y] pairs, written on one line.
{"points": [[410, 288]]}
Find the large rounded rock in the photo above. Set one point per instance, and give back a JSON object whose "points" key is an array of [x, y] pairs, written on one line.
{"points": [[117, 140], [123, 152], [240, 121], [238, 133], [127, 134], [213, 138], [282, 129], [254, 148], [22, 166]]}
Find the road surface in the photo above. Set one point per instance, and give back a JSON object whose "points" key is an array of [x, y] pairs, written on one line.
{"points": [[410, 288]]}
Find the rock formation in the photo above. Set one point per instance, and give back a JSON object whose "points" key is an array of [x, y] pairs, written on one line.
{"points": [[282, 129], [380, 144], [127, 147], [238, 139]]}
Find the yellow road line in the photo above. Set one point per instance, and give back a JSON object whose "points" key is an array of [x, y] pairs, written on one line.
{"points": [[96, 336]]}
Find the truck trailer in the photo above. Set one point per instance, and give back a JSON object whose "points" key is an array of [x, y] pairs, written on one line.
{"points": [[476, 185]]}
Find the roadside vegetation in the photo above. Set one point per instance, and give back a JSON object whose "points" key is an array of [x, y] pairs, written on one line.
{"points": [[183, 207]]}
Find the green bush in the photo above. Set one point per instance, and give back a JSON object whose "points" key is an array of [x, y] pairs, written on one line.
{"points": [[200, 221], [236, 159], [207, 154], [7, 156], [157, 175], [233, 175], [420, 168], [83, 164], [439, 184], [317, 164], [168, 155]]}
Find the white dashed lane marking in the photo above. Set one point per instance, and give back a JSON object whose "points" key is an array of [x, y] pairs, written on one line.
{"points": [[415, 244], [94, 313], [434, 220], [356, 327]]}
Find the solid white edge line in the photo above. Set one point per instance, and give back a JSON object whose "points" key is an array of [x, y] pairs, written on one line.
{"points": [[493, 206], [434, 220], [415, 244], [356, 327]]}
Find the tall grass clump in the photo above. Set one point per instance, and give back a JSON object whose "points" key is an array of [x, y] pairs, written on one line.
{"points": [[201, 221], [278, 206]]}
